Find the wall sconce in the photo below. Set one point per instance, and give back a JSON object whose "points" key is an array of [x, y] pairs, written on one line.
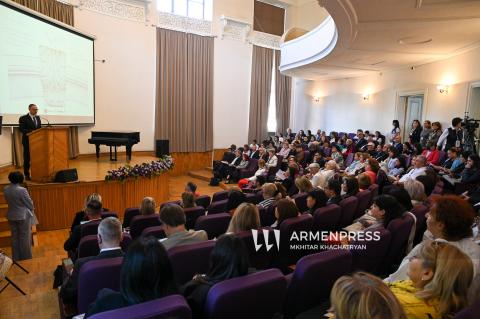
{"points": [[316, 99], [366, 96], [443, 88]]}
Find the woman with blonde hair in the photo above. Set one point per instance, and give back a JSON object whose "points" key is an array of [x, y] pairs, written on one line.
{"points": [[416, 190], [364, 296], [303, 184], [246, 217], [81, 216], [440, 276], [148, 206]]}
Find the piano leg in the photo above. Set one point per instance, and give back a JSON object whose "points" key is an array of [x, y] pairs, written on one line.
{"points": [[115, 153], [111, 157], [97, 150], [129, 152]]}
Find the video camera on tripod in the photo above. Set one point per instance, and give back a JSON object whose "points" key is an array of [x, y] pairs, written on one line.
{"points": [[469, 126]]}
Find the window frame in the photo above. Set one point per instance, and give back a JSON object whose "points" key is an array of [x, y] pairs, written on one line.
{"points": [[172, 6]]}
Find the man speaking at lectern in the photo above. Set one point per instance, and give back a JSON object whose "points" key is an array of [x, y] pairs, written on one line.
{"points": [[28, 123]]}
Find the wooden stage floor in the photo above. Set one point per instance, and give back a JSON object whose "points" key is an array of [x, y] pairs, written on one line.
{"points": [[41, 300]]}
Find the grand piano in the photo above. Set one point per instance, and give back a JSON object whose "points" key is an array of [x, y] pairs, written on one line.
{"points": [[114, 139]]}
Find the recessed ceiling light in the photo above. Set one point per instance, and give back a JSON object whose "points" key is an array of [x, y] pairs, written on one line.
{"points": [[414, 40]]}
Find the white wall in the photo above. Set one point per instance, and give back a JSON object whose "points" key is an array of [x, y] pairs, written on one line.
{"points": [[307, 15], [6, 147], [342, 107]]}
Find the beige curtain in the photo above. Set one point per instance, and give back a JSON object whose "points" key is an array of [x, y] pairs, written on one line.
{"points": [[283, 95], [52, 8], [17, 148], [184, 98], [260, 85], [73, 148]]}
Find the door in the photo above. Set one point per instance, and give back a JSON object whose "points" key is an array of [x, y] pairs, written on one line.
{"points": [[413, 111]]}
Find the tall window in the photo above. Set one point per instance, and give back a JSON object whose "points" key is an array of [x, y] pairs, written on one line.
{"points": [[272, 105], [196, 9]]}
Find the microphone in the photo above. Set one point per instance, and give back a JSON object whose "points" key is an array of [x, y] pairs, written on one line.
{"points": [[48, 122]]}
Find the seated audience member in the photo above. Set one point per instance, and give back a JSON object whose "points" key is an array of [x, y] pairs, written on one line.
{"points": [[371, 169], [313, 170], [385, 208], [364, 181], [262, 153], [428, 183], [333, 191], [192, 188], [319, 159], [285, 150], [416, 190], [362, 296], [432, 154], [81, 215], [427, 129], [173, 223], [389, 162], [326, 174], [381, 152], [285, 209], [254, 153], [397, 144], [299, 153], [261, 171], [371, 149], [380, 138], [246, 217], [109, 237], [93, 213], [349, 148], [269, 193], [316, 199], [281, 191], [234, 170], [293, 171], [148, 205], [224, 169], [450, 220], [398, 170], [400, 194], [473, 197], [234, 199], [471, 173], [349, 187], [272, 159], [419, 168], [439, 278], [303, 184], [188, 200], [229, 259], [355, 165], [362, 142], [337, 155], [146, 275], [451, 164]]}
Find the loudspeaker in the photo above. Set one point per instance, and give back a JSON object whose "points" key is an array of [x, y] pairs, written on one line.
{"points": [[67, 175], [162, 148]]}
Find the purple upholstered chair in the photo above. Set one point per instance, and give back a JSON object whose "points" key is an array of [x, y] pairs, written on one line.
{"points": [[349, 159], [288, 256], [327, 151], [250, 170], [191, 215], [313, 279], [139, 223], [327, 218], [470, 312], [88, 245], [420, 211], [218, 196], [189, 260], [349, 207], [217, 207], [254, 198], [351, 135], [203, 200], [215, 225], [155, 231], [301, 201], [371, 258], [261, 259], [94, 276], [174, 306], [400, 229], [267, 216], [173, 202], [256, 296], [129, 214], [364, 198], [374, 190], [109, 214], [90, 228]]}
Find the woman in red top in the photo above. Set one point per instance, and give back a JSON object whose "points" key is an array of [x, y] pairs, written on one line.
{"points": [[432, 154], [371, 169]]}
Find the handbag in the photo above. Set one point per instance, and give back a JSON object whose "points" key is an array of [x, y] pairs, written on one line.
{"points": [[5, 264]]}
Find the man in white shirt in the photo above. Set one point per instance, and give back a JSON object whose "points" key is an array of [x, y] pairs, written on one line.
{"points": [[272, 158], [313, 174], [418, 170]]}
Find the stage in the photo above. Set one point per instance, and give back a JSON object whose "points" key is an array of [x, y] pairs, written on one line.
{"points": [[57, 203]]}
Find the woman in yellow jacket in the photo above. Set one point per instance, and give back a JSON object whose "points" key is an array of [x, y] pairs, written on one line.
{"points": [[439, 279]]}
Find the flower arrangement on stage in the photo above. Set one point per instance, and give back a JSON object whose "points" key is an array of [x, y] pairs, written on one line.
{"points": [[151, 169]]}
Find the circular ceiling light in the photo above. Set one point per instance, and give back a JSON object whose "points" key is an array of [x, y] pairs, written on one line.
{"points": [[414, 40]]}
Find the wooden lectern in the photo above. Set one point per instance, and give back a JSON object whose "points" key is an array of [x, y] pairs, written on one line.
{"points": [[48, 153]]}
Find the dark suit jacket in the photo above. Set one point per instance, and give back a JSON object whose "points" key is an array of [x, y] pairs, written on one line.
{"points": [[361, 143], [26, 125], [255, 155], [107, 299], [334, 200], [68, 293], [72, 242]]}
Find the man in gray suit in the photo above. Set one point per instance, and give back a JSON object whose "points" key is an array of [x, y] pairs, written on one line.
{"points": [[173, 222], [20, 216]]}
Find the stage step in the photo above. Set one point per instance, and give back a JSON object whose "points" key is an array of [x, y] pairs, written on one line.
{"points": [[210, 169], [3, 210], [2, 198], [203, 175], [4, 224]]}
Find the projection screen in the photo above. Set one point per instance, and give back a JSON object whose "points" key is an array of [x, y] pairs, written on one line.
{"points": [[46, 64]]}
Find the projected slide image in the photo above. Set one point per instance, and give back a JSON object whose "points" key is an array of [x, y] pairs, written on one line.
{"points": [[53, 77]]}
